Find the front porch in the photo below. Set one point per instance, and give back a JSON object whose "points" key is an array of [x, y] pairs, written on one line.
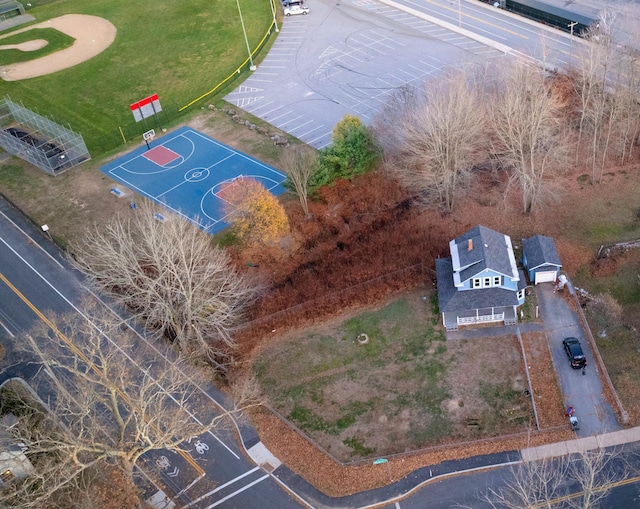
{"points": [[506, 315]]}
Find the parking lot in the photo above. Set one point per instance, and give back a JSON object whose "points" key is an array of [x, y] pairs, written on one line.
{"points": [[346, 58]]}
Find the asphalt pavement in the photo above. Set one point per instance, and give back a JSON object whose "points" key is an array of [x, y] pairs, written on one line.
{"points": [[247, 475], [582, 391]]}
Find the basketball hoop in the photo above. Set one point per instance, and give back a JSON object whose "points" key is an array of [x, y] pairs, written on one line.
{"points": [[148, 136]]}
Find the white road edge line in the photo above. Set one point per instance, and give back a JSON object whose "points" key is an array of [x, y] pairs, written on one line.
{"points": [[7, 330], [33, 241], [73, 306]]}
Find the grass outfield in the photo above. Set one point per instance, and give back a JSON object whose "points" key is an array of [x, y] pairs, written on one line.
{"points": [[177, 49]]}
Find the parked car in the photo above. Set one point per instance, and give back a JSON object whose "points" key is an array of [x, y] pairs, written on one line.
{"points": [[572, 346], [296, 9]]}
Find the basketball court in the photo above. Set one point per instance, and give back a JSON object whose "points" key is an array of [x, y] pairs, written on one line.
{"points": [[184, 171]]}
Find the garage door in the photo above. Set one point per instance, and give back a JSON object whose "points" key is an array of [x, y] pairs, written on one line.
{"points": [[546, 277]]}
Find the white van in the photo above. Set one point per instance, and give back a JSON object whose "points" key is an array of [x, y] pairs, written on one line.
{"points": [[292, 10]]}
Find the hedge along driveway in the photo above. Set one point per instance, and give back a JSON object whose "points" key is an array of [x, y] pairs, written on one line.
{"points": [[178, 50]]}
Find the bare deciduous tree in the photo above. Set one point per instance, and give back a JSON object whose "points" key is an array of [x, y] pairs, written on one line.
{"points": [[169, 276], [595, 101], [298, 165], [551, 482], [112, 400], [438, 136], [529, 134]]}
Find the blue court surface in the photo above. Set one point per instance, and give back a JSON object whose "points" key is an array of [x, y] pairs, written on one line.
{"points": [[185, 169]]}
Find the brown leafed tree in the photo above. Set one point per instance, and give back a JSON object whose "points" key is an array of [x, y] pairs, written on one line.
{"points": [[298, 164], [255, 214], [528, 131], [170, 277], [438, 138], [113, 400]]}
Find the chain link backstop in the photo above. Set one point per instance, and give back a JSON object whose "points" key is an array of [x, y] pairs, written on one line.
{"points": [[38, 140]]}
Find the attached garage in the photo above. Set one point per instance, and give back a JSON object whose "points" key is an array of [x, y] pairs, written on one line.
{"points": [[540, 259]]}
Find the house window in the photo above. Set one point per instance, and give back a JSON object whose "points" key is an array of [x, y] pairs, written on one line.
{"points": [[486, 282], [477, 283], [521, 294], [7, 475], [497, 281]]}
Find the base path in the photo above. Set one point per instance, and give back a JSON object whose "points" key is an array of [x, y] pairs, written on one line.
{"points": [[92, 36]]}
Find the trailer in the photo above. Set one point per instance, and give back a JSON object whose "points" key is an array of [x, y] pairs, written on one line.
{"points": [[551, 15]]}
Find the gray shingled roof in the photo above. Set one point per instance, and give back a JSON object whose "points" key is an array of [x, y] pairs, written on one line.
{"points": [[451, 300], [489, 252], [540, 250]]}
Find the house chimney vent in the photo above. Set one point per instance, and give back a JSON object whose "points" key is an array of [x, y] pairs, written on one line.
{"points": [[470, 245]]}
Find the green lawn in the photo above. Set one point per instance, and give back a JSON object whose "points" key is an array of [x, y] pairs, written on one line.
{"points": [[406, 388], [177, 49]]}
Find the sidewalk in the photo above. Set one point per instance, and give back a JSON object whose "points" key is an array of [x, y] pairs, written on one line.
{"points": [[612, 439], [433, 473]]}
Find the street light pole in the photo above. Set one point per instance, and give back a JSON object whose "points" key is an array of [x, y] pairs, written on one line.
{"points": [[459, 15], [571, 25], [244, 31], [273, 10]]}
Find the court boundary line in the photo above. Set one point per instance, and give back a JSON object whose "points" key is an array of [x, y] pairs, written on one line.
{"points": [[201, 218]]}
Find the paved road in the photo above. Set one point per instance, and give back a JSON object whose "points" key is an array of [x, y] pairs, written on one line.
{"points": [[35, 279]]}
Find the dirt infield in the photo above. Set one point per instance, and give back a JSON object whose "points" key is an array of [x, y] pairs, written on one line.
{"points": [[92, 36]]}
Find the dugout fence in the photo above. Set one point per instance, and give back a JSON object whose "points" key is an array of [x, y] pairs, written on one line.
{"points": [[39, 140]]}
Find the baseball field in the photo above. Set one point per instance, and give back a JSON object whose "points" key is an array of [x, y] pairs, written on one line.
{"points": [[125, 51]]}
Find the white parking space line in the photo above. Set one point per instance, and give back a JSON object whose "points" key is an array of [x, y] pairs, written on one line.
{"points": [[320, 137], [307, 133], [271, 120], [289, 121], [272, 110], [412, 76], [291, 131], [246, 101]]}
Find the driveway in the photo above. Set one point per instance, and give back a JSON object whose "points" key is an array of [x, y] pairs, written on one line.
{"points": [[584, 392]]}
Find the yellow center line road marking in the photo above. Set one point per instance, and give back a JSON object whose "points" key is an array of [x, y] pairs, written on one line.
{"points": [[80, 355], [480, 20], [604, 487]]}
